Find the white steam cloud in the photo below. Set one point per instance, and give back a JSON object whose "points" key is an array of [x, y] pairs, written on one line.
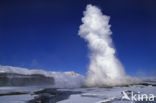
{"points": [[104, 69]]}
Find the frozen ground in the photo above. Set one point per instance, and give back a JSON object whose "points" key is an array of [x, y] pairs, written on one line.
{"points": [[18, 94], [107, 95], [78, 95]]}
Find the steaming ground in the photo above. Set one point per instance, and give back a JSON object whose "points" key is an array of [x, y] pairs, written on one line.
{"points": [[105, 69]]}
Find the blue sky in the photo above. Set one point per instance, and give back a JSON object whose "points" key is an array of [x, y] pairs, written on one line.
{"points": [[43, 34]]}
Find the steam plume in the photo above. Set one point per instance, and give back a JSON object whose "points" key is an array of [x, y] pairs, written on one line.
{"points": [[104, 69]]}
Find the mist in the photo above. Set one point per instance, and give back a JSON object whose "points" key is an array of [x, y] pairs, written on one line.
{"points": [[105, 69]]}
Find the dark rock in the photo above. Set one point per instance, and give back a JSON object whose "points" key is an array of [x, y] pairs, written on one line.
{"points": [[12, 79]]}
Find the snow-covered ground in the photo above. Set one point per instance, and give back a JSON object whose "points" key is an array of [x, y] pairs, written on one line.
{"points": [[6, 97], [16, 98], [73, 93], [86, 95], [68, 79], [105, 95]]}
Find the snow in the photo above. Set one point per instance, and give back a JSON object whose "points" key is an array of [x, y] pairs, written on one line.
{"points": [[62, 79], [16, 98], [86, 95], [70, 81], [79, 99], [106, 95], [30, 89]]}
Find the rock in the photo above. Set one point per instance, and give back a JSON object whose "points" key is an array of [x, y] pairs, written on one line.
{"points": [[13, 79]]}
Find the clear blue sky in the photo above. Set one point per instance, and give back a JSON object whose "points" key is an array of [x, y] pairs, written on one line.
{"points": [[43, 34]]}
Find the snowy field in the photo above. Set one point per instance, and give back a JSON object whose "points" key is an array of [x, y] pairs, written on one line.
{"points": [[78, 95], [56, 93], [18, 94]]}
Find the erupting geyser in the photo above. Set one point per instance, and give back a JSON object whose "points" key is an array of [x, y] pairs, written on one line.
{"points": [[104, 69]]}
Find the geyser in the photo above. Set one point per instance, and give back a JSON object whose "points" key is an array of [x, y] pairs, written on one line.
{"points": [[104, 69]]}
